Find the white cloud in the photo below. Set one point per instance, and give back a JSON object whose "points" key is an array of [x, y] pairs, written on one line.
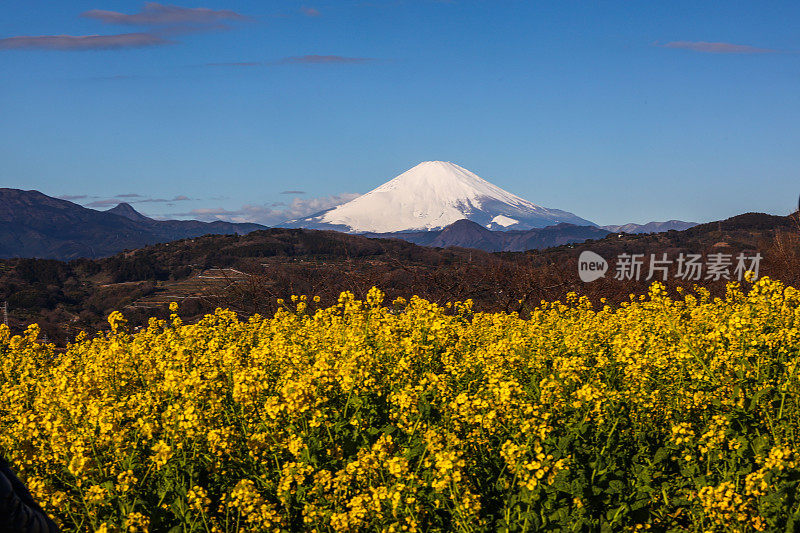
{"points": [[269, 215]]}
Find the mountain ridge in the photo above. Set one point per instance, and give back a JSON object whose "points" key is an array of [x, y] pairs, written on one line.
{"points": [[467, 234], [650, 227], [33, 224], [126, 210]]}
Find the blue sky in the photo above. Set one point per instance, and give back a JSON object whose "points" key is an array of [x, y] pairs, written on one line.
{"points": [[616, 111]]}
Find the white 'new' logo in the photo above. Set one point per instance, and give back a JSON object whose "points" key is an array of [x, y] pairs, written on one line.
{"points": [[591, 266]]}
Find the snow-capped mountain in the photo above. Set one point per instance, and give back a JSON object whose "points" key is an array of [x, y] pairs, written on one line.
{"points": [[431, 196]]}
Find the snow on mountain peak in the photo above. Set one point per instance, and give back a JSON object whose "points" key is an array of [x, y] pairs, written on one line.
{"points": [[448, 184], [432, 195]]}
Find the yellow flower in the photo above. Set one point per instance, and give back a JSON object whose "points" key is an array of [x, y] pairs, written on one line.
{"points": [[415, 415]]}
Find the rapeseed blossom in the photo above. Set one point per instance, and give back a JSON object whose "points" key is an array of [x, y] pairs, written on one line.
{"points": [[665, 414]]}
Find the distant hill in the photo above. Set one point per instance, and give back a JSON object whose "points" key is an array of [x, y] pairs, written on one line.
{"points": [[126, 210], [249, 273], [650, 227], [33, 224], [467, 234]]}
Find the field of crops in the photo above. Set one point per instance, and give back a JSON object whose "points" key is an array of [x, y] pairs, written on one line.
{"points": [[663, 414]]}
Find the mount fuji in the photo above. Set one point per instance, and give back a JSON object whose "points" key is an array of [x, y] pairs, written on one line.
{"points": [[431, 196]]}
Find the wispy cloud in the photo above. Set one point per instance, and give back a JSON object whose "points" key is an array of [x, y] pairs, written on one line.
{"points": [[115, 77], [271, 214], [161, 21], [717, 48], [102, 203], [180, 198], [310, 11], [155, 14], [391, 3], [139, 199], [296, 60], [237, 64], [71, 197], [82, 42], [318, 60], [293, 192]]}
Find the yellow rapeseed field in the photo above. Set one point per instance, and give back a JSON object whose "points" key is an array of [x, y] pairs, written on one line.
{"points": [[669, 414]]}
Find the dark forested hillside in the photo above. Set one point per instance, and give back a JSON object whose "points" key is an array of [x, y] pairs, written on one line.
{"points": [[249, 273]]}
